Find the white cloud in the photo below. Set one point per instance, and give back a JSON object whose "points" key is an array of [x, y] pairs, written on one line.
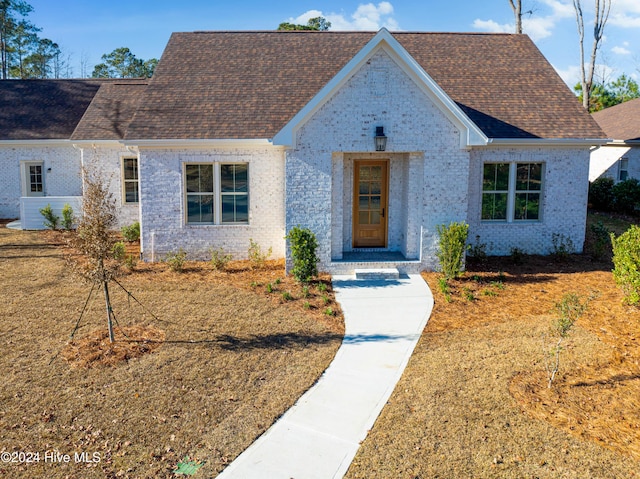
{"points": [[624, 20], [534, 24], [622, 50], [367, 16], [493, 27], [570, 75]]}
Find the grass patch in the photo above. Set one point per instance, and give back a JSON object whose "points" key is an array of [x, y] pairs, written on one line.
{"points": [[233, 359]]}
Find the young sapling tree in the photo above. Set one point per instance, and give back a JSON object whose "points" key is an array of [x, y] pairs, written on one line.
{"points": [[94, 238]]}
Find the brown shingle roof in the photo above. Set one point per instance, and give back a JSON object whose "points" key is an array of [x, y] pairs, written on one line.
{"points": [[43, 109], [621, 122], [212, 85], [111, 111]]}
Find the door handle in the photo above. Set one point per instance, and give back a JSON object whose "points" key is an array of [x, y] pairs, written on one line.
{"points": [[383, 212]]}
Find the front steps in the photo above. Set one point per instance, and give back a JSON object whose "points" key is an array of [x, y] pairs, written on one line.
{"points": [[377, 273]]}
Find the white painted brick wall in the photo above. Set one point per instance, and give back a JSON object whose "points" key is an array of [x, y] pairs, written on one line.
{"points": [[604, 162], [564, 203], [163, 203], [108, 160], [62, 180], [423, 146]]}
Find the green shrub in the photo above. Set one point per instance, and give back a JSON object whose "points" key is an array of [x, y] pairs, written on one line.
{"points": [[601, 194], [130, 262], [517, 255], [562, 246], [444, 288], [286, 296], [119, 251], [219, 259], [131, 233], [51, 220], [176, 260], [601, 239], [452, 245], [626, 262], [67, 217], [256, 256], [303, 245], [478, 251], [626, 196]]}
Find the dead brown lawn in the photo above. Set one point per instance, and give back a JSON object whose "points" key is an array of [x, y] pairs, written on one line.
{"points": [[234, 358], [473, 401]]}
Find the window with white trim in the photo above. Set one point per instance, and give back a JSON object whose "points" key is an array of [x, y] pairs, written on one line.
{"points": [[217, 193], [130, 180], [511, 191], [623, 169]]}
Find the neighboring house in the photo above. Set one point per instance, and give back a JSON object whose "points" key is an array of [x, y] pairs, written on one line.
{"points": [[619, 159], [371, 140]]}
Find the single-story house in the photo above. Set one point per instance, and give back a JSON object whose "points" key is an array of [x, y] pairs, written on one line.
{"points": [[369, 139], [619, 159]]}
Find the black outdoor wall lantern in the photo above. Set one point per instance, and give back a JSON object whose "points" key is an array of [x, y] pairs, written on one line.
{"points": [[380, 139]]}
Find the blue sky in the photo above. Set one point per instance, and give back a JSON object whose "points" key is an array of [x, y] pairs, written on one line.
{"points": [[87, 29]]}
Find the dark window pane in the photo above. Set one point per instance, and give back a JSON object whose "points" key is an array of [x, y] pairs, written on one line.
{"points": [[228, 209], [527, 206], [494, 206], [192, 172], [529, 176], [206, 178], [495, 177], [241, 178], [199, 208], [242, 209], [227, 182], [130, 168], [131, 191]]}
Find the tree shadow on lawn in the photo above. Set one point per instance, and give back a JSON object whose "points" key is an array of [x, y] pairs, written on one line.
{"points": [[268, 341], [542, 266]]}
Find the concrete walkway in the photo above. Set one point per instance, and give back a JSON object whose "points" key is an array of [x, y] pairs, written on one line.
{"points": [[319, 436]]}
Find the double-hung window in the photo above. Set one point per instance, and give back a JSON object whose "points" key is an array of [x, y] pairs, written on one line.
{"points": [[623, 169], [511, 191], [234, 193], [130, 180], [217, 193]]}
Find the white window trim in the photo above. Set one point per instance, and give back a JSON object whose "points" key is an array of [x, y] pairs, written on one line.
{"points": [[511, 192], [217, 193], [123, 181]]}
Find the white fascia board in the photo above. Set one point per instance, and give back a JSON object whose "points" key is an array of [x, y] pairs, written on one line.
{"points": [[206, 143], [35, 143], [547, 142], [92, 143], [470, 134]]}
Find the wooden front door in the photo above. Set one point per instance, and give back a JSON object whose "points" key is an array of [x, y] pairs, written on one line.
{"points": [[370, 185]]}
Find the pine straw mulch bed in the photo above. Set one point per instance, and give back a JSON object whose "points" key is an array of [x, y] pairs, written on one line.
{"points": [[229, 359], [474, 402]]}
